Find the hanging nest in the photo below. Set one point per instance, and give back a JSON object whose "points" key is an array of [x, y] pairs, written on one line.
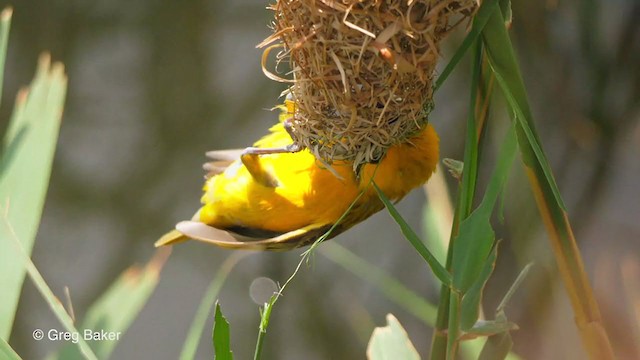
{"points": [[362, 70]]}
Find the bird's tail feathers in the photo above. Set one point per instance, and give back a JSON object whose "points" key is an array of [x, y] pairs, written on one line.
{"points": [[171, 238]]}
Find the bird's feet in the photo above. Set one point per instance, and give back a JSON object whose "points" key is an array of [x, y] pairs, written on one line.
{"points": [[291, 148]]}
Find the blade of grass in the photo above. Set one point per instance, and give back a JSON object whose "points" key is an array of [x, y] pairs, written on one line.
{"points": [[54, 303], [5, 24], [438, 270], [507, 13], [471, 148], [23, 187], [507, 72], [388, 285], [479, 21], [7, 352], [587, 314], [199, 320], [116, 309], [10, 150], [221, 336]]}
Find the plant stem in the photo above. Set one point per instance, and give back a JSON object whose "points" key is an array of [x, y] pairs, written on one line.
{"points": [[466, 193]]}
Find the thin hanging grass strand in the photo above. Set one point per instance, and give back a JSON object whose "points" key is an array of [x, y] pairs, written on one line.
{"points": [[266, 312]]}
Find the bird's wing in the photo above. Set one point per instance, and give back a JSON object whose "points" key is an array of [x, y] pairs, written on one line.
{"points": [[226, 239], [220, 160], [277, 137], [224, 155]]}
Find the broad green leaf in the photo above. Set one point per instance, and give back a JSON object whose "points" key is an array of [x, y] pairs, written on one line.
{"points": [[440, 272], [497, 347], [388, 285], [471, 248], [23, 186], [476, 237], [116, 309], [471, 301], [6, 352], [190, 345], [221, 336], [391, 342]]}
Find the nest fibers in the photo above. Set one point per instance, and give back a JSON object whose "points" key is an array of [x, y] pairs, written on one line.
{"points": [[362, 70]]}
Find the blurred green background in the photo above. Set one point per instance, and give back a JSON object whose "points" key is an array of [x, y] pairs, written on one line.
{"points": [[155, 84]]}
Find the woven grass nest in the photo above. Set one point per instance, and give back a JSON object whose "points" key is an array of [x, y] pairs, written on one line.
{"points": [[362, 70]]}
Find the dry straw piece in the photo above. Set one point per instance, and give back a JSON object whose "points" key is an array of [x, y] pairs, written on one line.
{"points": [[362, 70]]}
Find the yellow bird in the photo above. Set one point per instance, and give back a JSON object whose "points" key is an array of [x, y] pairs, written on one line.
{"points": [[274, 197]]}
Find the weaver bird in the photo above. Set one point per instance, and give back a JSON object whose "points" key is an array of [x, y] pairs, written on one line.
{"points": [[275, 196]]}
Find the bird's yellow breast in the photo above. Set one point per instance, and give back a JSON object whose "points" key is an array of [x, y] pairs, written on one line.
{"points": [[307, 193]]}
